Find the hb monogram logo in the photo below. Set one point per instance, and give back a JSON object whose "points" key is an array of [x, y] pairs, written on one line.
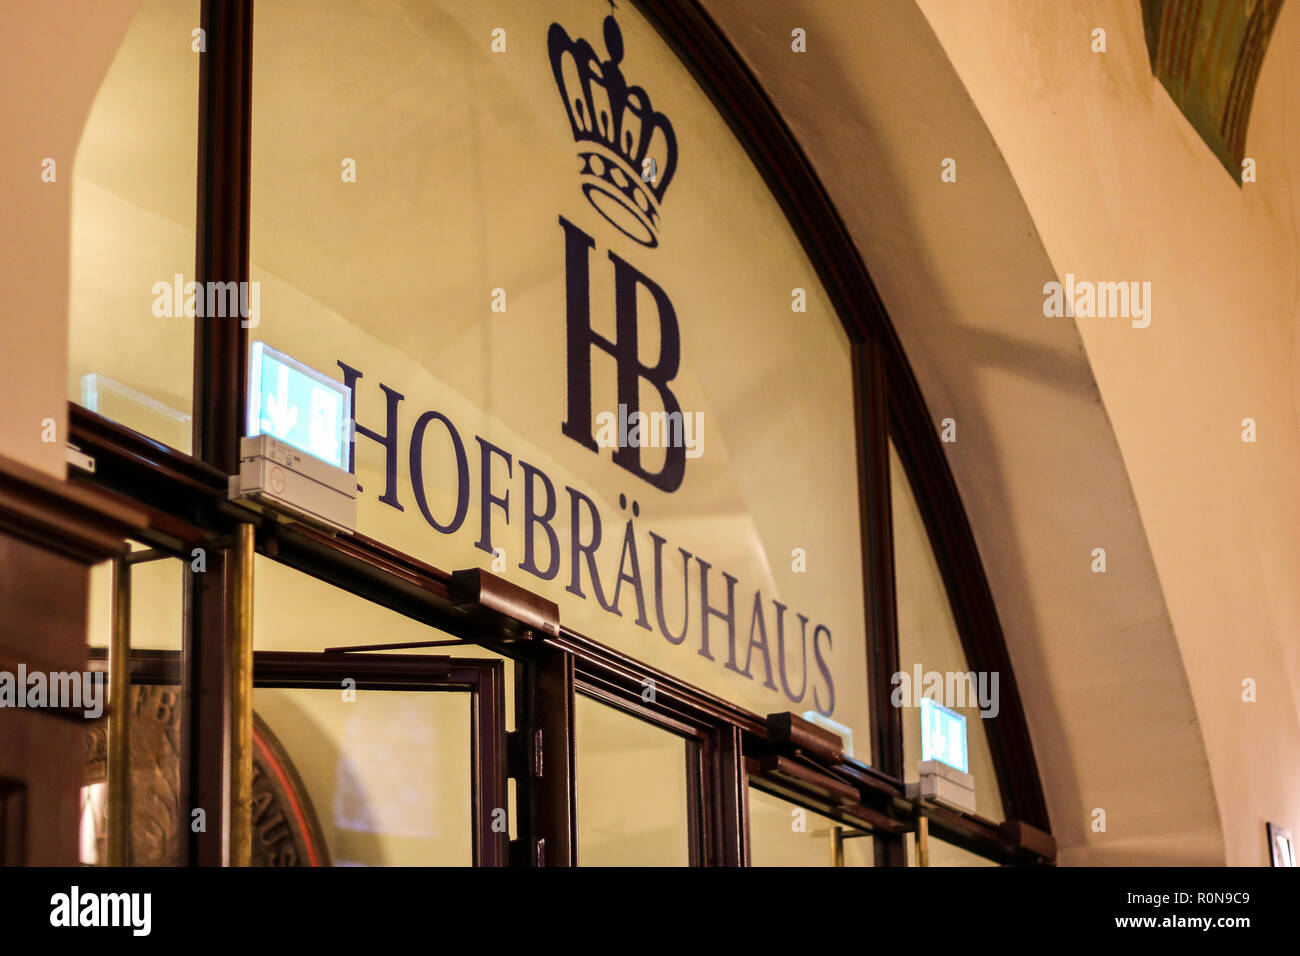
{"points": [[628, 154]]}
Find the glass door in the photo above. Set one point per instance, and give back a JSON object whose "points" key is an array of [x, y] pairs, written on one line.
{"points": [[359, 757], [358, 760], [636, 786], [402, 756]]}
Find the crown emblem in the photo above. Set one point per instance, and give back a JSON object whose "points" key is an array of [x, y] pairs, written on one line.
{"points": [[628, 151]]}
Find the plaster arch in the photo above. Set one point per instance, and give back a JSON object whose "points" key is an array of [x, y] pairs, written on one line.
{"points": [[877, 105]]}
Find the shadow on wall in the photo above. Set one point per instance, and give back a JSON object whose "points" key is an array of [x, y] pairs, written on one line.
{"points": [[962, 271]]}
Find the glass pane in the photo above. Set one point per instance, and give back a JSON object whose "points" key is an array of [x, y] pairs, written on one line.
{"points": [[156, 624], [416, 202], [383, 779], [631, 803], [157, 604], [945, 854], [930, 652], [293, 611], [133, 180], [388, 774], [380, 780], [785, 834]]}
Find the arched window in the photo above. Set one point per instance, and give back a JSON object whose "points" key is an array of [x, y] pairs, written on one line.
{"points": [[621, 395]]}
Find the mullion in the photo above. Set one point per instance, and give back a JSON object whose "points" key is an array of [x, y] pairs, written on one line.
{"points": [[221, 255]]}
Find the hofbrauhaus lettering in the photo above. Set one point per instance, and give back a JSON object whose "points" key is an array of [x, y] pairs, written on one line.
{"points": [[624, 573], [628, 157]]}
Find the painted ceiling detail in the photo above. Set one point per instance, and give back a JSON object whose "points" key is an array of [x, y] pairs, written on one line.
{"points": [[1207, 53]]}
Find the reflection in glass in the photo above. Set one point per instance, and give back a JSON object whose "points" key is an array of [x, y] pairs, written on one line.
{"points": [[293, 611], [93, 834], [133, 184], [928, 643], [785, 834], [388, 772], [155, 832], [399, 247], [945, 854], [157, 604]]}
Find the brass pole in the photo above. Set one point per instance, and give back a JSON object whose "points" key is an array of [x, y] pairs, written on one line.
{"points": [[923, 842], [240, 679], [119, 718], [837, 846]]}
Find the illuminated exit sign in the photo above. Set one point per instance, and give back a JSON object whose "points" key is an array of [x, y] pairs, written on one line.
{"points": [[943, 735], [298, 405]]}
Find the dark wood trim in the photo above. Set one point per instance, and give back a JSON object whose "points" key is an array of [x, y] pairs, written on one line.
{"points": [[547, 790], [78, 522], [609, 694], [698, 820], [878, 555], [178, 494], [371, 671], [205, 700], [220, 344], [856, 816], [620, 676], [729, 813], [222, 225], [315, 669], [139, 456], [51, 532], [871, 403], [491, 846]]}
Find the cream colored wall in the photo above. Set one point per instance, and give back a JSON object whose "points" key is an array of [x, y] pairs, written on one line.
{"points": [[1121, 187], [1074, 434], [52, 58], [877, 104]]}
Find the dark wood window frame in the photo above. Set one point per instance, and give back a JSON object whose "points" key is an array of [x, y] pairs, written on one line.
{"points": [[185, 498]]}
